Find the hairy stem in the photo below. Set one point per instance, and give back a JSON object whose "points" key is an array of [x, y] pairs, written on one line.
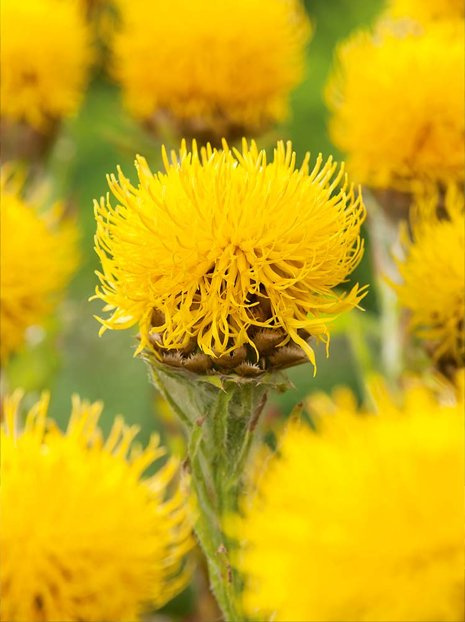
{"points": [[220, 415], [384, 238]]}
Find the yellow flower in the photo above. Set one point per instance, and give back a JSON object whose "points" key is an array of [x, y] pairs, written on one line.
{"points": [[44, 61], [362, 521], [427, 10], [398, 106], [221, 67], [433, 274], [228, 253], [38, 254], [83, 535]]}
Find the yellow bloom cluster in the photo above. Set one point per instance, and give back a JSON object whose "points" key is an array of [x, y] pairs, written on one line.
{"points": [[226, 250], [433, 273], [227, 66], [38, 254], [427, 10], [83, 536], [398, 106], [362, 520], [44, 61]]}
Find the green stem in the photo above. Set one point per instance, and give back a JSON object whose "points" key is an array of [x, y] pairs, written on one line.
{"points": [[220, 414], [384, 237], [208, 532]]}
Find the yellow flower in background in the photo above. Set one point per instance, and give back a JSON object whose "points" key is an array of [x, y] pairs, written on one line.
{"points": [[224, 68], [397, 102], [38, 253], [433, 274], [228, 254], [427, 10], [44, 61], [83, 536], [363, 520]]}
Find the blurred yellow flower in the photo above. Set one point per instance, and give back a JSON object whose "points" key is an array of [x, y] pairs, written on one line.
{"points": [[433, 273], [228, 253], [397, 101], [83, 536], [427, 10], [38, 253], [363, 520], [44, 61], [224, 68]]}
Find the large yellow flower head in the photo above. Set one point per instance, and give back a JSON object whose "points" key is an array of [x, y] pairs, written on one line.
{"points": [[397, 102], [433, 274], [228, 254], [427, 10], [362, 521], [224, 68], [38, 254], [44, 61], [83, 536]]}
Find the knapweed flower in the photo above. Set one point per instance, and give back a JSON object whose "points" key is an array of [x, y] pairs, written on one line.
{"points": [[229, 256], [83, 535], [38, 255], [427, 10], [433, 274], [212, 68], [363, 520], [44, 61], [397, 102]]}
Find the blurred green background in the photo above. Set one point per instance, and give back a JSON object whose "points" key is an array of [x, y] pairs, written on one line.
{"points": [[89, 147]]}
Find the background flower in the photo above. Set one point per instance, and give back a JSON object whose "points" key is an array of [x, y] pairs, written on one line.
{"points": [[44, 61], [224, 68], [83, 535], [433, 273], [362, 520], [225, 247], [397, 102], [38, 255], [427, 10]]}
